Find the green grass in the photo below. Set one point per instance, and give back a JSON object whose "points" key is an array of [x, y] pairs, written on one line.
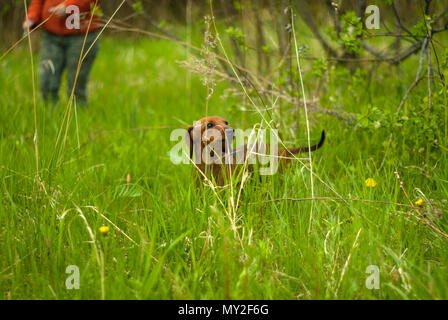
{"points": [[184, 246]]}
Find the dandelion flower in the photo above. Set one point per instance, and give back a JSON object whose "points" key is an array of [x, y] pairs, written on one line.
{"points": [[419, 202], [370, 182], [352, 218], [104, 230]]}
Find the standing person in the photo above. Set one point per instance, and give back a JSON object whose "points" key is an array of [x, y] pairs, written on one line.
{"points": [[61, 44]]}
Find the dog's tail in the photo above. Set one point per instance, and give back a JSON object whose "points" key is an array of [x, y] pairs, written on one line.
{"points": [[308, 149]]}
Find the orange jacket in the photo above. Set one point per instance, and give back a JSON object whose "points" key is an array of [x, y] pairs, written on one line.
{"points": [[38, 12]]}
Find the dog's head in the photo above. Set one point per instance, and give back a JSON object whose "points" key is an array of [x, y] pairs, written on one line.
{"points": [[213, 132]]}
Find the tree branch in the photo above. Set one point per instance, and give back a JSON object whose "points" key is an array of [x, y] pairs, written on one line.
{"points": [[305, 13]]}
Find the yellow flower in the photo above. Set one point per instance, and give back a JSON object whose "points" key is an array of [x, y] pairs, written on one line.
{"points": [[370, 182], [352, 218], [419, 202], [104, 230]]}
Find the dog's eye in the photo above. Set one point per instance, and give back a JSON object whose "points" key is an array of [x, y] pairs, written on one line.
{"points": [[209, 125], [227, 123]]}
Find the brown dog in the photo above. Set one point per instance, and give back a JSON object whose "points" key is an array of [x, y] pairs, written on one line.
{"points": [[210, 141]]}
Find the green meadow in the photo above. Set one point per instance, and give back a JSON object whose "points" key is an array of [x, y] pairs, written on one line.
{"points": [[109, 165]]}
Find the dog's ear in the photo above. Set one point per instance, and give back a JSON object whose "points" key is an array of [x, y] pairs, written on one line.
{"points": [[189, 140]]}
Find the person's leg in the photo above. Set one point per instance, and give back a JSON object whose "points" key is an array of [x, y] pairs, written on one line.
{"points": [[51, 65], [74, 48]]}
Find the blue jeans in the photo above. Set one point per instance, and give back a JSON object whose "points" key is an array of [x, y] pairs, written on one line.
{"points": [[59, 52]]}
